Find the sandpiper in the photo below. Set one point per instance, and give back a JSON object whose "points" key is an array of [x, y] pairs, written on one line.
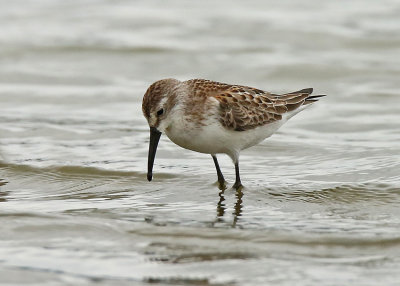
{"points": [[213, 118]]}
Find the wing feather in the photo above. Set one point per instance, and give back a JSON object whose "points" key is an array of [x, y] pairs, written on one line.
{"points": [[244, 108]]}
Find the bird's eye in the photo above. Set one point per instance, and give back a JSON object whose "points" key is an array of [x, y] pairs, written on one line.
{"points": [[160, 112]]}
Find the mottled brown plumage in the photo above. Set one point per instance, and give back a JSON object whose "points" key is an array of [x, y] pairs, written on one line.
{"points": [[243, 108], [213, 118]]}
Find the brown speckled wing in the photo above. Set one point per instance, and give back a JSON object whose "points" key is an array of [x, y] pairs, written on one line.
{"points": [[243, 108]]}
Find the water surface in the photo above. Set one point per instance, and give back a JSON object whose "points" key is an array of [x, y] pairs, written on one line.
{"points": [[321, 199]]}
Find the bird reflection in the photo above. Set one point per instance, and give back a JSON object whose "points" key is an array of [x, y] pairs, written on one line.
{"points": [[221, 205], [237, 209], [3, 195]]}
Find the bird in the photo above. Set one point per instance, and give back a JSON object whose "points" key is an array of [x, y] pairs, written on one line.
{"points": [[216, 118]]}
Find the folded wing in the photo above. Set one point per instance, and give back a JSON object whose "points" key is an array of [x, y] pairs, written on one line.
{"points": [[243, 108]]}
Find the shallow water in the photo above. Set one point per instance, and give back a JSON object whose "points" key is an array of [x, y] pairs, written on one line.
{"points": [[321, 199]]}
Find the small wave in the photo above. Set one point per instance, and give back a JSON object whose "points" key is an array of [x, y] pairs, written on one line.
{"points": [[373, 192], [100, 49], [69, 170], [75, 171]]}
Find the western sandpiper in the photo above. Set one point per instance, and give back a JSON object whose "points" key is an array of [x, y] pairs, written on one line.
{"points": [[213, 118]]}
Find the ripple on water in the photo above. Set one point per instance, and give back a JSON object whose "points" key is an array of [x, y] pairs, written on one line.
{"points": [[373, 193], [320, 206]]}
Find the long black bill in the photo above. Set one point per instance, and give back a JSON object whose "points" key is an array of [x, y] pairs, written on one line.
{"points": [[154, 138]]}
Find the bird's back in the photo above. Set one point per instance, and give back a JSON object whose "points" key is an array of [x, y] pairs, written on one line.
{"points": [[244, 108]]}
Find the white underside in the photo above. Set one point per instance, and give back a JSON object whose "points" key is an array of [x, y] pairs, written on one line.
{"points": [[213, 138]]}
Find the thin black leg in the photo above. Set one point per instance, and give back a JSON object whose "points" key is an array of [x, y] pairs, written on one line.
{"points": [[238, 183], [221, 179]]}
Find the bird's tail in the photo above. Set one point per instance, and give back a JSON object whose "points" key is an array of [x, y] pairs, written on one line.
{"points": [[300, 100], [310, 98], [307, 91]]}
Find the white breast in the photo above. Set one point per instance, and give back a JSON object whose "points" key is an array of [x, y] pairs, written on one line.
{"points": [[211, 137]]}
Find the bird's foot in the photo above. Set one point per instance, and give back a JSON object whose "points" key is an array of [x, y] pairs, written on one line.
{"points": [[238, 185], [222, 185]]}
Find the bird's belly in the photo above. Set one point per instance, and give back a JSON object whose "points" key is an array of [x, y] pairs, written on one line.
{"points": [[249, 138], [214, 138], [198, 139]]}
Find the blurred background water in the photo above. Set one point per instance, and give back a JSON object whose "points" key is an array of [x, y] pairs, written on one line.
{"points": [[321, 198]]}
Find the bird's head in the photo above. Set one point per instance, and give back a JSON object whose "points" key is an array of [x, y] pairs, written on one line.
{"points": [[157, 104]]}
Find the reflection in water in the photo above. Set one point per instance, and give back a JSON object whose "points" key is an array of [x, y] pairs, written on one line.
{"points": [[237, 208], [220, 205], [3, 195]]}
